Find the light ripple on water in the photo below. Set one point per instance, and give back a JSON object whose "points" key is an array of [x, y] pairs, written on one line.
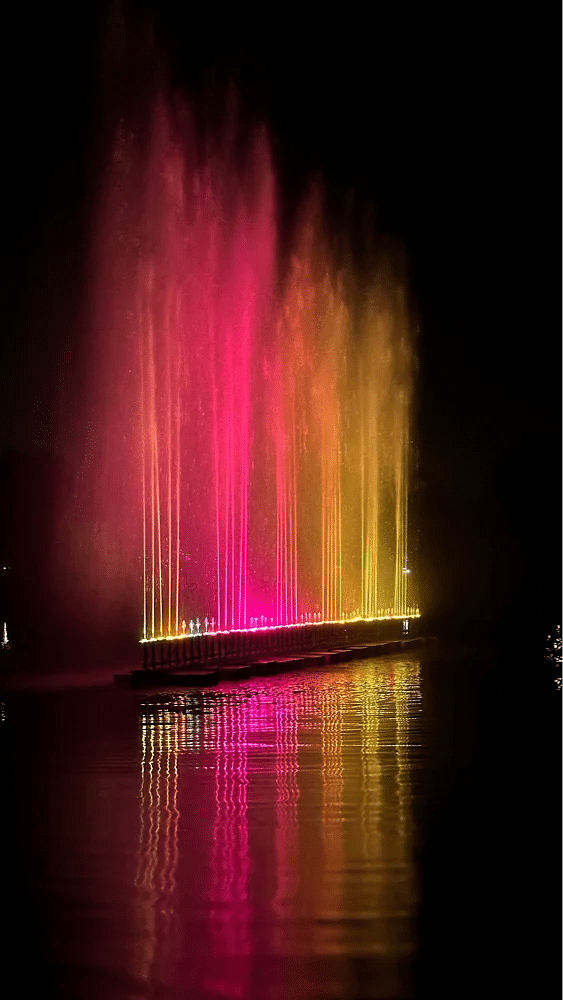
{"points": [[213, 828]]}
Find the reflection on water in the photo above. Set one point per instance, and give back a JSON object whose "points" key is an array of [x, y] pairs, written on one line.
{"points": [[258, 841], [275, 836], [162, 741]]}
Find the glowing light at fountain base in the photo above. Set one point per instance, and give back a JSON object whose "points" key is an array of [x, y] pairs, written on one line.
{"points": [[412, 614]]}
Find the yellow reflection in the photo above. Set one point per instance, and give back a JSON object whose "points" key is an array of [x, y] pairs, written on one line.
{"points": [[401, 697], [329, 894], [158, 835], [371, 790], [387, 698]]}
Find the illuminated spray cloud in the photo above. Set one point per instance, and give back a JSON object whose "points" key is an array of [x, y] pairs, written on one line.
{"points": [[253, 419]]}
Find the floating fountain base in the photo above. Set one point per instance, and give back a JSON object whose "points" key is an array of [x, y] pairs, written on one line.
{"points": [[205, 659]]}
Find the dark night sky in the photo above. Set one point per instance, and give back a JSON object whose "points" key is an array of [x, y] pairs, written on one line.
{"points": [[450, 127]]}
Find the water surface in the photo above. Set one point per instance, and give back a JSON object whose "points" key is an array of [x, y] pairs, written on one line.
{"points": [[289, 837]]}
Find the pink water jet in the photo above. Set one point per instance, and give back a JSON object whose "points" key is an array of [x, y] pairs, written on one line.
{"points": [[248, 445]]}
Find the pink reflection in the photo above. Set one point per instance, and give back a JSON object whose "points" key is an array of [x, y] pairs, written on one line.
{"points": [[230, 909], [287, 820], [294, 838]]}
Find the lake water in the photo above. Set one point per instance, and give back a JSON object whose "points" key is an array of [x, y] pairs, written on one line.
{"points": [[362, 831]]}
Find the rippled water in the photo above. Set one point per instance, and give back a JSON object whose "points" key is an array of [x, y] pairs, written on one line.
{"points": [[255, 840]]}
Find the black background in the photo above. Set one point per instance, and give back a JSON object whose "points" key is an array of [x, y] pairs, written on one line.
{"points": [[446, 124]]}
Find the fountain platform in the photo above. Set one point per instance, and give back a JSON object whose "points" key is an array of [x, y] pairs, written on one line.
{"points": [[203, 660]]}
